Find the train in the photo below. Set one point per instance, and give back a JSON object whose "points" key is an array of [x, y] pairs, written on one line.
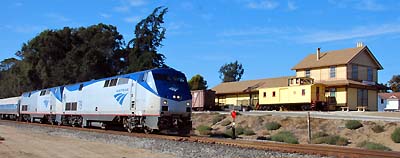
{"points": [[156, 100]]}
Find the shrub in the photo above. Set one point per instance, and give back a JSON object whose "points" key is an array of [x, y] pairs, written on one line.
{"points": [[238, 131], [273, 126], [353, 124], [225, 123], [332, 140], [218, 118], [248, 132], [373, 146], [285, 136], [204, 130], [378, 129], [319, 135], [396, 135]]}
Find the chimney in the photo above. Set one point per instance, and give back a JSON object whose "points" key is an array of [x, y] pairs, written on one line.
{"points": [[318, 53], [360, 44]]}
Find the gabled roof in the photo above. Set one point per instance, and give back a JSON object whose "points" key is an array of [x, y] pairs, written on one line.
{"points": [[249, 85], [389, 95], [336, 57]]}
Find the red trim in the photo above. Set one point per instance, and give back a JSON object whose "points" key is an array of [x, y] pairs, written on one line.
{"points": [[39, 113]]}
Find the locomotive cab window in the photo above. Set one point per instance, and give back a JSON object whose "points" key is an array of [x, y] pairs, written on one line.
{"points": [[42, 93], [106, 83], [113, 82], [80, 87], [123, 81]]}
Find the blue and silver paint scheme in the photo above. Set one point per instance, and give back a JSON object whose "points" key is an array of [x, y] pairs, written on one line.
{"points": [[9, 108]]}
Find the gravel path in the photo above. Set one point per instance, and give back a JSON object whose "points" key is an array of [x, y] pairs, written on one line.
{"points": [[180, 149]]}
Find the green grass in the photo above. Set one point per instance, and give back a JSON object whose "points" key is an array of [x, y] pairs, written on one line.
{"points": [[272, 126], [373, 146], [396, 135], [226, 123], [238, 131], [204, 129], [378, 129], [285, 136], [332, 140], [218, 118], [319, 135], [353, 124], [249, 132]]}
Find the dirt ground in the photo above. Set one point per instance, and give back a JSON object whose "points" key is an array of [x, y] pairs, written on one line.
{"points": [[298, 126], [29, 144]]}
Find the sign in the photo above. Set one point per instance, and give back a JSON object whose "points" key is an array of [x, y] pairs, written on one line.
{"points": [[233, 114]]}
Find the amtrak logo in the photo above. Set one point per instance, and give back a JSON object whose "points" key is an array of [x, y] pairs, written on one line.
{"points": [[46, 103], [173, 89], [120, 97]]}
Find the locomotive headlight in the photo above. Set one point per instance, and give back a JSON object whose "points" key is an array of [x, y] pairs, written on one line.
{"points": [[165, 102], [174, 96], [178, 97], [188, 104]]}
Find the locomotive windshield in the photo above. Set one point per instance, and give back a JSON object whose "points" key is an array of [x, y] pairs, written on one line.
{"points": [[172, 85], [170, 78]]}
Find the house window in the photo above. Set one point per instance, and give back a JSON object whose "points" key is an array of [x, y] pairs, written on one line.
{"points": [[354, 72], [308, 73], [273, 94], [362, 97], [332, 92], [369, 73], [265, 94], [303, 92], [333, 72]]}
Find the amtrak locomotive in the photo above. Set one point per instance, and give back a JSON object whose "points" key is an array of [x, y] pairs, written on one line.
{"points": [[152, 100]]}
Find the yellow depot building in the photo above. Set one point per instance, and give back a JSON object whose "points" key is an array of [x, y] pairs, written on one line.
{"points": [[331, 80]]}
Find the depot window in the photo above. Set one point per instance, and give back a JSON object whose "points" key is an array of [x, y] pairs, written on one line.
{"points": [[303, 92], [273, 94], [265, 94]]}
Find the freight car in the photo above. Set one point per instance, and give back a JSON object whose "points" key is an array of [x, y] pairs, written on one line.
{"points": [[300, 94], [203, 100], [151, 100], [9, 108]]}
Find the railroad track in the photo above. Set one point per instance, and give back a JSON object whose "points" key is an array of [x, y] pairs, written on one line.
{"points": [[312, 149]]}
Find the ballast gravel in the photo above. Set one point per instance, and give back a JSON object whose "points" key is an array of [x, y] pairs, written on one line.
{"points": [[180, 149]]}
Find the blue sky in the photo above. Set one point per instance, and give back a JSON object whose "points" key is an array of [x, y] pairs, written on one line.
{"points": [[268, 37]]}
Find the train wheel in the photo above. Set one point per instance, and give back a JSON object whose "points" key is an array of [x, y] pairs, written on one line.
{"points": [[147, 130]]}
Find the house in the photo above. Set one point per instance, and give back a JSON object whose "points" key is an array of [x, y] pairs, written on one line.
{"points": [[349, 76], [340, 78], [389, 101]]}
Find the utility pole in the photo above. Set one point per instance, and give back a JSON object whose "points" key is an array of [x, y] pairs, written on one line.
{"points": [[309, 127]]}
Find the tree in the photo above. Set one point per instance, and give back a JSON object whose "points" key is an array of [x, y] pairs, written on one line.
{"points": [[197, 82], [394, 83], [148, 36], [231, 72]]}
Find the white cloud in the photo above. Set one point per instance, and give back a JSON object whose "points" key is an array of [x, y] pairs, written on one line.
{"points": [[367, 5], [263, 4], [251, 31], [121, 9], [133, 19], [105, 15], [23, 28], [358, 32], [57, 17], [136, 3], [126, 5], [291, 6], [18, 4]]}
